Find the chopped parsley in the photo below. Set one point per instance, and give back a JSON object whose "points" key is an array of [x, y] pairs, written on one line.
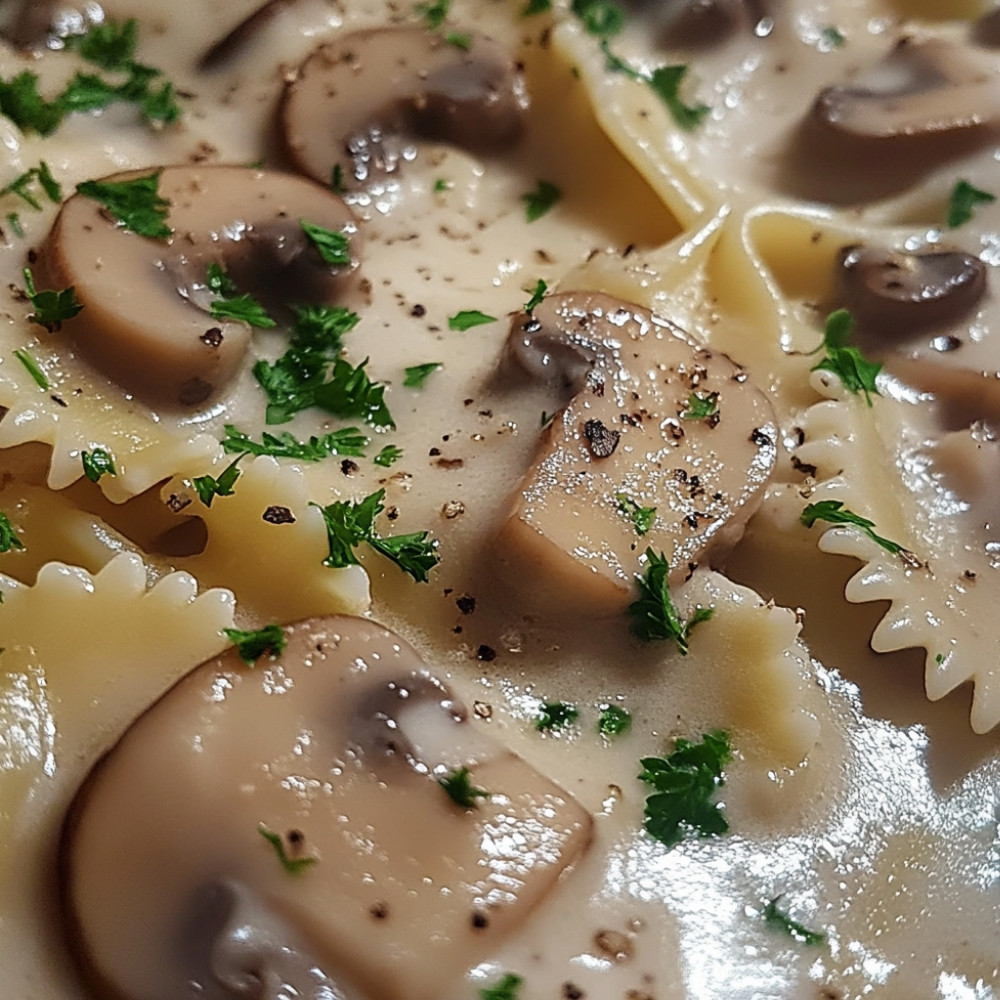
{"points": [[252, 645], [433, 13], [229, 305], [417, 375], [642, 518], [556, 715], [459, 39], [832, 38], [294, 866], [388, 455], [32, 368], [210, 487], [337, 185], [51, 307], [346, 441], [97, 463], [847, 363], [539, 201], [21, 186], [964, 198], [684, 783], [603, 18], [508, 987], [701, 406], [654, 616], [26, 108], [8, 535], [468, 318], [536, 296], [348, 524], [774, 917], [332, 246], [533, 7], [110, 44], [834, 512], [15, 223], [441, 185], [614, 721], [460, 788], [136, 203]]}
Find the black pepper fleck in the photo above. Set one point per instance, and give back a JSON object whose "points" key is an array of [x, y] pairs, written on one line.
{"points": [[602, 440], [480, 921], [348, 468], [466, 604], [278, 515], [759, 438], [212, 337], [379, 910], [486, 653]]}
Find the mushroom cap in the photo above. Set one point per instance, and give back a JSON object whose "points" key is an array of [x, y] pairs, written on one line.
{"points": [[335, 745], [145, 322], [632, 375], [364, 99]]}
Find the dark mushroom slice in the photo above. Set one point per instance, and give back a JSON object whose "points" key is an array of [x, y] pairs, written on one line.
{"points": [[372, 881], [896, 297], [145, 322], [985, 30], [925, 103], [27, 24], [236, 40], [365, 100], [699, 24], [654, 421]]}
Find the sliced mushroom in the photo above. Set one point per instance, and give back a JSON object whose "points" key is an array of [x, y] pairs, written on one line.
{"points": [[630, 435], [225, 48], [145, 321], [696, 24], [896, 296], [362, 102], [27, 24], [986, 29], [923, 104], [172, 890]]}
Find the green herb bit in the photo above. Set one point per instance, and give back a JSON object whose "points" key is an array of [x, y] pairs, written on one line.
{"points": [[441, 185], [460, 788], [533, 7], [294, 866], [15, 223], [546, 418], [8, 535], [388, 455], [346, 441], [665, 82], [20, 185], [834, 512], [832, 38], [468, 318], [539, 201], [417, 375], [32, 367], [701, 406], [847, 363], [51, 308], [600, 17], [556, 715], [208, 487], [685, 783], [433, 13], [351, 393], [110, 45], [252, 645], [136, 204], [337, 185], [26, 108], [87, 92], [459, 39], [964, 198], [348, 524], [614, 721], [333, 247], [508, 987], [536, 296], [939, 658], [97, 463], [244, 308], [642, 518], [654, 616], [773, 917]]}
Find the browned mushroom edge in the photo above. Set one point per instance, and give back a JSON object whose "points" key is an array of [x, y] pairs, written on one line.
{"points": [[145, 322], [365, 101], [226, 48], [628, 435], [699, 24], [334, 748]]}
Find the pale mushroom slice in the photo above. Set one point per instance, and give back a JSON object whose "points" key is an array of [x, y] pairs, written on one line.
{"points": [[364, 101], [333, 749], [655, 421], [145, 322]]}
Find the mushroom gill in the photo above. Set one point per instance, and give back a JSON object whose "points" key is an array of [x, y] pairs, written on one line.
{"points": [[654, 421], [282, 827]]}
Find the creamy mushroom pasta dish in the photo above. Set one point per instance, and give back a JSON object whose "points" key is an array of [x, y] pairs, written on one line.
{"points": [[499, 499]]}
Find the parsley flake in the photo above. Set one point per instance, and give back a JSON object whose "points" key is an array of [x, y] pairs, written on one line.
{"points": [[434, 13], [831, 38], [333, 247], [135, 203], [614, 721], [348, 524], [97, 463], [468, 318], [701, 406], [834, 512], [556, 715], [684, 783], [459, 39], [8, 535], [109, 44], [26, 108], [774, 917], [665, 82], [346, 441], [210, 487], [51, 308], [41, 175], [603, 18], [337, 185], [642, 518], [533, 7], [508, 987], [417, 375], [441, 185], [460, 788], [536, 296], [654, 616], [964, 198], [388, 455], [847, 363], [243, 308], [252, 645], [294, 866], [539, 201], [32, 368], [15, 223]]}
